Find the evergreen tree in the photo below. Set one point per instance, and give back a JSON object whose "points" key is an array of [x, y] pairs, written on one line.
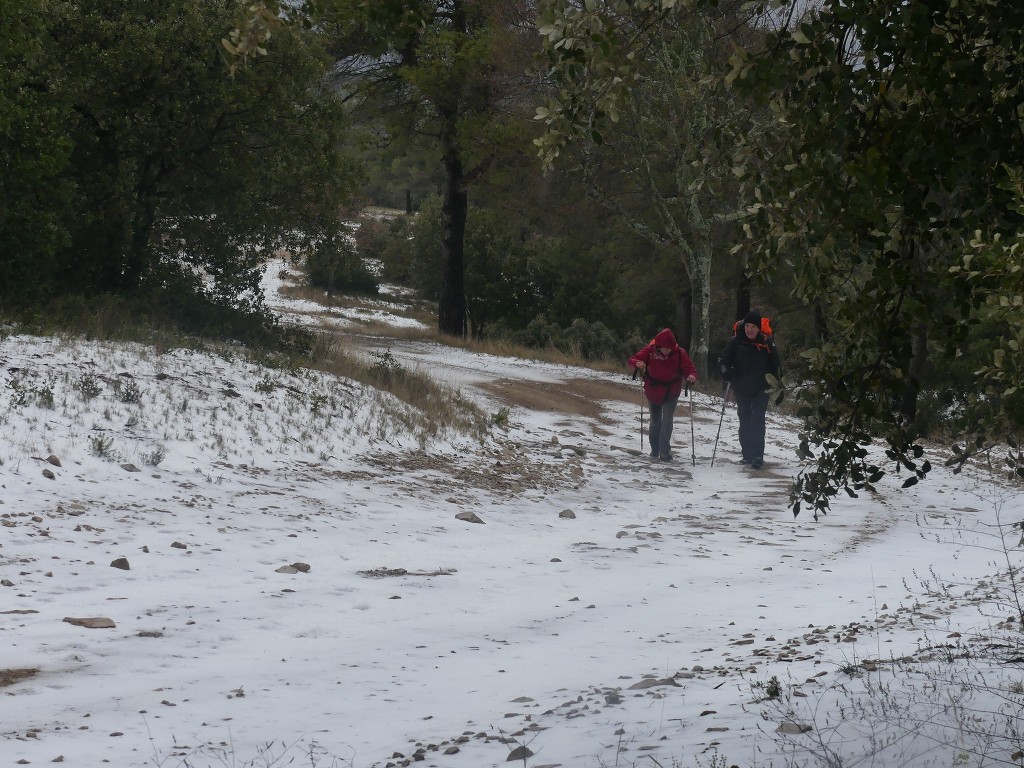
{"points": [[180, 174], [34, 149], [449, 72]]}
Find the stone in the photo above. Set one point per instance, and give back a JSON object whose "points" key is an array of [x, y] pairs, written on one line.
{"points": [[652, 682], [122, 563], [790, 727], [99, 622], [468, 517]]}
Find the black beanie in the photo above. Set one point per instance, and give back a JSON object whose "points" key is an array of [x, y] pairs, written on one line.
{"points": [[753, 316]]}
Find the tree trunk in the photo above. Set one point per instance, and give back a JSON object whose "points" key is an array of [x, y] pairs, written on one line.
{"points": [[821, 329], [451, 310], [742, 295], [915, 369], [684, 315], [919, 255], [139, 252], [700, 290], [330, 279]]}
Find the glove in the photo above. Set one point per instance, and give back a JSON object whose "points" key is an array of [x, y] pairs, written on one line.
{"points": [[726, 373], [781, 397]]}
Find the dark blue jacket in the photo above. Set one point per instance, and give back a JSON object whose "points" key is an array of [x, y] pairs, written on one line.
{"points": [[746, 361]]}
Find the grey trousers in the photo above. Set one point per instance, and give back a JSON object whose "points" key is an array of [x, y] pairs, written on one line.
{"points": [[660, 434]]}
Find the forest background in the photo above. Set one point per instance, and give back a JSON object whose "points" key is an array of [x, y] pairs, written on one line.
{"points": [[573, 175]]}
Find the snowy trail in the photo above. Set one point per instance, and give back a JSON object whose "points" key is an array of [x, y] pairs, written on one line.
{"points": [[637, 626]]}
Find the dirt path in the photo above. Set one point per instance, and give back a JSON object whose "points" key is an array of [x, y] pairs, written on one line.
{"points": [[574, 397], [577, 397]]}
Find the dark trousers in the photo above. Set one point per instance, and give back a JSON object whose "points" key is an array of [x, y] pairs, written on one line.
{"points": [[660, 434], [751, 410]]}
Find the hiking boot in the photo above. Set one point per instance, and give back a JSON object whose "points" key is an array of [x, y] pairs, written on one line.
{"points": [[744, 460], [654, 454], [757, 463], [666, 457]]}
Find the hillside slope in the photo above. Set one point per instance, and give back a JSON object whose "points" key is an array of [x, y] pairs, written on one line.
{"points": [[272, 570]]}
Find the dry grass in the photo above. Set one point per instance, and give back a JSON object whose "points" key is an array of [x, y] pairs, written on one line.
{"points": [[384, 573], [12, 676], [439, 409]]}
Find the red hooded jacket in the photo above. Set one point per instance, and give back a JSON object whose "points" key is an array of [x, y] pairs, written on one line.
{"points": [[663, 377]]}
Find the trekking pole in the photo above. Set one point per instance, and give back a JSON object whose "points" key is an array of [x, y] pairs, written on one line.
{"points": [[641, 413], [725, 399], [693, 441]]}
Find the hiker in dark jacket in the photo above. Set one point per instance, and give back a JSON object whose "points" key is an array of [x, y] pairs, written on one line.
{"points": [[749, 355], [664, 364]]}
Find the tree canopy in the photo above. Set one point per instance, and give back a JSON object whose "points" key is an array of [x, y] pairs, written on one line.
{"points": [[664, 164], [892, 197], [173, 176], [34, 150], [448, 73], [903, 142]]}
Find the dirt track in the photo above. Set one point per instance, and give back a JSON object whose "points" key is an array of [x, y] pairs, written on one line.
{"points": [[579, 397]]}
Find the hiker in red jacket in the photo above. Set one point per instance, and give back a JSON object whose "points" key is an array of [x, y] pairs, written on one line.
{"points": [[664, 364]]}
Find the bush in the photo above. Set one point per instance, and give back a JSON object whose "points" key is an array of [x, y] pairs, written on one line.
{"points": [[396, 251], [335, 266], [372, 237], [582, 338], [590, 340]]}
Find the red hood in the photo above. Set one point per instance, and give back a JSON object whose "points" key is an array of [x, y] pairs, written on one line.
{"points": [[665, 338]]}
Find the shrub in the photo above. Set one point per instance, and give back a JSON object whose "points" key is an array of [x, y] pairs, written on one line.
{"points": [[102, 446], [396, 252], [386, 370], [154, 457], [128, 391], [89, 386], [590, 340], [372, 237], [335, 266]]}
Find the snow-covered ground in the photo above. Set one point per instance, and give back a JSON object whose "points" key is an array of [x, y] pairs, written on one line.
{"points": [[310, 314], [280, 574]]}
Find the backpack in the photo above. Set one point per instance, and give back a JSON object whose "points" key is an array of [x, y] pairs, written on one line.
{"points": [[659, 382]]}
